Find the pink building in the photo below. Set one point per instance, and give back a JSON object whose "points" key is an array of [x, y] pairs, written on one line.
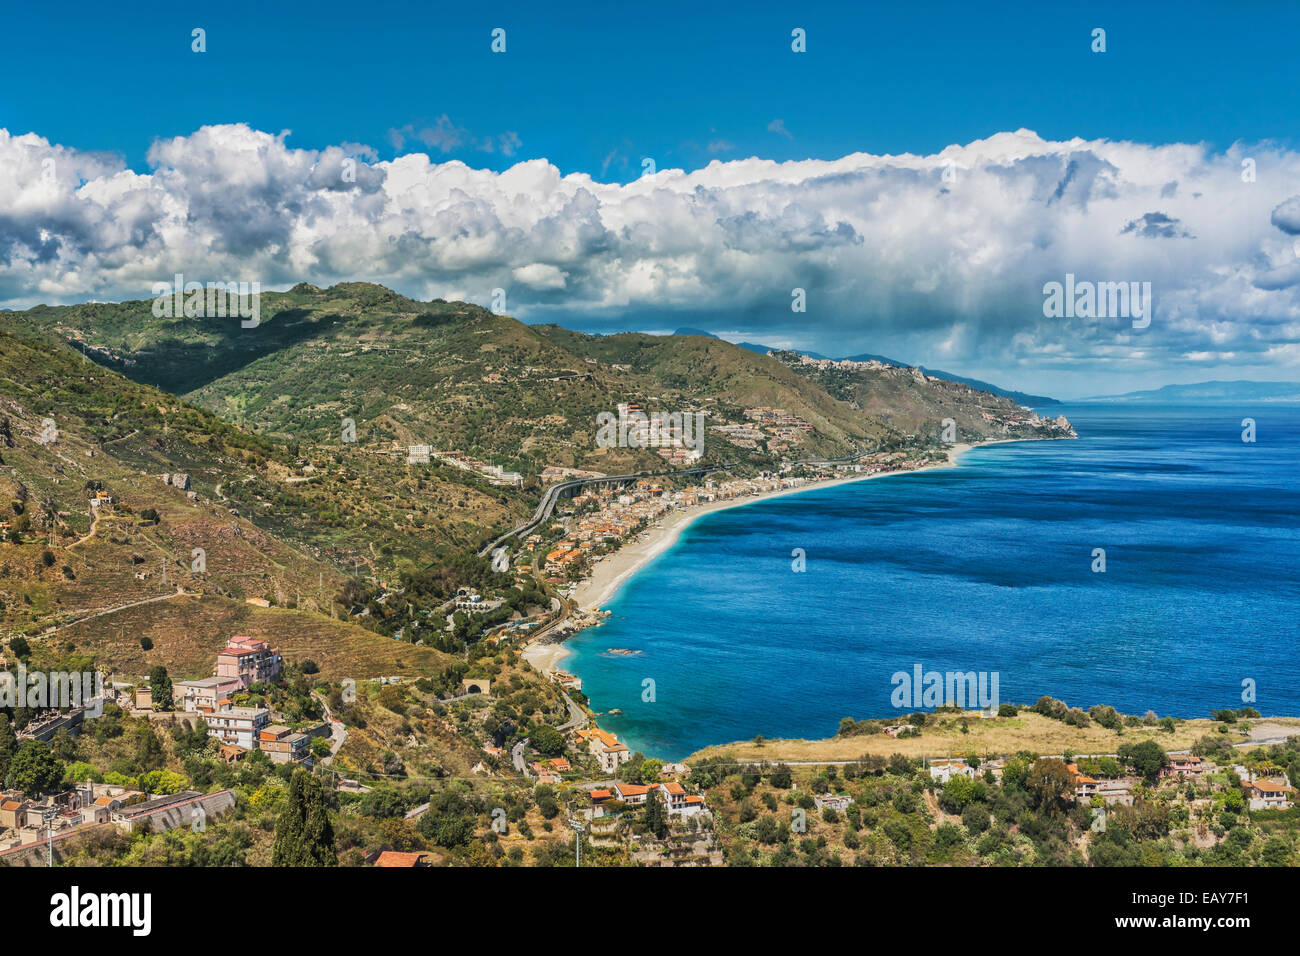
{"points": [[248, 660]]}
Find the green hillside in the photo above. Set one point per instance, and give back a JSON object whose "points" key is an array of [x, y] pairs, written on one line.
{"points": [[462, 379]]}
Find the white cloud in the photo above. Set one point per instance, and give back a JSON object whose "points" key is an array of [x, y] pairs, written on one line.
{"points": [[894, 256]]}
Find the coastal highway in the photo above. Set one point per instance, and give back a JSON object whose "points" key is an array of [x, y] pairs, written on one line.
{"points": [[552, 496]]}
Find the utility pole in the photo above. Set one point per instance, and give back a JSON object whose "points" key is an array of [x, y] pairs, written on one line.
{"points": [[578, 831], [47, 816]]}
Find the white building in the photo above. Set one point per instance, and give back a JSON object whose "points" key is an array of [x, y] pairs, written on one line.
{"points": [[202, 695], [943, 770], [240, 726]]}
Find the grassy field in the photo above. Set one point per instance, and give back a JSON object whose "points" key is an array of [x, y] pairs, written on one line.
{"points": [[187, 633], [942, 736]]}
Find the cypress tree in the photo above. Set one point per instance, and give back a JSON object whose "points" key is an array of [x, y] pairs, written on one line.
{"points": [[8, 744], [303, 834]]}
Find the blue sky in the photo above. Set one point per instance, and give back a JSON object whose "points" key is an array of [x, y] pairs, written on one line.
{"points": [[825, 171], [599, 87]]}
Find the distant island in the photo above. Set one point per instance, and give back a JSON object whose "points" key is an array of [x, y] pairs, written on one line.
{"points": [[1211, 393]]}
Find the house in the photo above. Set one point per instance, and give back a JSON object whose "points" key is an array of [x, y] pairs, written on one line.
{"points": [[633, 794], [143, 698], [230, 752], [249, 661], [944, 770], [604, 746], [544, 773], [567, 680], [1185, 767], [281, 744], [240, 726], [1085, 787], [995, 767], [203, 696], [1269, 794], [561, 764], [11, 811], [838, 801], [395, 858], [674, 770], [680, 803]]}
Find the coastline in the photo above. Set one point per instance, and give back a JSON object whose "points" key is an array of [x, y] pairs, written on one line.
{"points": [[612, 571]]}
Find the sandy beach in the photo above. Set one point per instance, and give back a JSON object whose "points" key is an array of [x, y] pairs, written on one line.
{"points": [[610, 572]]}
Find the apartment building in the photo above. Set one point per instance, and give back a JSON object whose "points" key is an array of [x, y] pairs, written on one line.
{"points": [[281, 744], [238, 726], [203, 696], [248, 660]]}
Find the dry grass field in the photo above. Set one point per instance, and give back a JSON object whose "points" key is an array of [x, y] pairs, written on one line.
{"points": [[187, 632], [942, 736]]}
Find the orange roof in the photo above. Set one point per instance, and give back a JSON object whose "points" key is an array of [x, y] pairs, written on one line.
{"points": [[10, 805], [674, 787], [632, 789], [395, 858], [601, 794], [1268, 786]]}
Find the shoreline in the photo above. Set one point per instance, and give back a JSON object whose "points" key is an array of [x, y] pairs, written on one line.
{"points": [[611, 572]]}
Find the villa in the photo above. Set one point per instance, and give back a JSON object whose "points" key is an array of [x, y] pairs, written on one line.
{"points": [[604, 746], [1085, 787], [1186, 767], [1269, 795]]}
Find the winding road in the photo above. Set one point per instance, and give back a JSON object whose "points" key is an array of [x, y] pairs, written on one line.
{"points": [[552, 496]]}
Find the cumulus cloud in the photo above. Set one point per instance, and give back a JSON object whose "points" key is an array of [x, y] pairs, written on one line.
{"points": [[1287, 216], [943, 257], [1156, 225]]}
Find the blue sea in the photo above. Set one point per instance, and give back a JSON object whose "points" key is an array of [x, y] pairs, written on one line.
{"points": [[987, 567]]}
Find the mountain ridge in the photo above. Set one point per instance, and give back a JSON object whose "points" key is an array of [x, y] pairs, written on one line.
{"points": [[1023, 398], [1209, 392]]}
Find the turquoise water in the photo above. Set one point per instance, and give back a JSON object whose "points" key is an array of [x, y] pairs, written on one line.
{"points": [[986, 567]]}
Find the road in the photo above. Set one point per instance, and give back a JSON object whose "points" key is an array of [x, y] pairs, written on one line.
{"points": [[577, 716], [552, 496], [338, 733], [517, 757], [180, 592]]}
